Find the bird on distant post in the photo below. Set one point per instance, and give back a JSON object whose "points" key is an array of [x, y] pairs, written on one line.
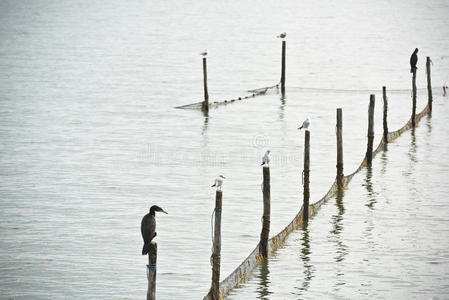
{"points": [[413, 61], [305, 124], [148, 227], [204, 53], [282, 35], [266, 159], [219, 182]]}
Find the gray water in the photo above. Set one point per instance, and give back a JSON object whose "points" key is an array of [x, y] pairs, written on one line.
{"points": [[90, 140]]}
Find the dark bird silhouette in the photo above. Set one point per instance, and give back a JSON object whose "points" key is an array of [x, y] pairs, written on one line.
{"points": [[413, 61], [148, 227]]}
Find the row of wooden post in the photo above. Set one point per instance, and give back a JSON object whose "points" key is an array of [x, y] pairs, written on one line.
{"points": [[214, 292], [205, 103]]}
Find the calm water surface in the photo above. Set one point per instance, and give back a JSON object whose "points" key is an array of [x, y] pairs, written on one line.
{"points": [[89, 140]]}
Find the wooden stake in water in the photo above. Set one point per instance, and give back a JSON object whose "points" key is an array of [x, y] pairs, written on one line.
{"points": [[283, 69], [369, 148], [266, 213], [306, 176], [152, 259], [429, 84], [414, 98], [340, 176], [205, 104], [384, 94], [214, 292]]}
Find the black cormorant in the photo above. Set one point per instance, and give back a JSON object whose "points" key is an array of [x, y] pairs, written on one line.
{"points": [[413, 60], [148, 227]]}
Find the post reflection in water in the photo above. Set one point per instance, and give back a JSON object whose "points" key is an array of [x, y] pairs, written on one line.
{"points": [[263, 290], [282, 108], [413, 148], [305, 257], [206, 122], [341, 250], [369, 188]]}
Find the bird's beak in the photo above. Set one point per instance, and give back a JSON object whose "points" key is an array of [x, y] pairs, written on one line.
{"points": [[165, 212]]}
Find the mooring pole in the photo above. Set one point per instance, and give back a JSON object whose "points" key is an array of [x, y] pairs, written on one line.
{"points": [[384, 94], [340, 175], [414, 97], [444, 90], [266, 213], [369, 148], [215, 288], [305, 212], [152, 259], [205, 105], [283, 69], [429, 84]]}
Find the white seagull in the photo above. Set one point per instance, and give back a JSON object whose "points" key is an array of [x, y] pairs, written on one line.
{"points": [[204, 53], [219, 182], [282, 35], [305, 124], [266, 158]]}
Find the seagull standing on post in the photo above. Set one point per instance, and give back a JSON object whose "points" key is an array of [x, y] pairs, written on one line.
{"points": [[305, 124], [266, 158], [219, 182], [282, 35]]}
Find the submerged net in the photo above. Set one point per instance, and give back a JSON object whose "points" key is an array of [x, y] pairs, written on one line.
{"points": [[243, 271]]}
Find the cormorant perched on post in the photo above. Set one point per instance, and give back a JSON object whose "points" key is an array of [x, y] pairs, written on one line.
{"points": [[148, 227], [413, 60]]}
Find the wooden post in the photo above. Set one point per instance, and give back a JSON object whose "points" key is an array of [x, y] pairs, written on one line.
{"points": [[266, 213], [283, 69], [152, 258], [369, 148], [306, 176], [215, 288], [384, 93], [205, 105], [340, 175], [444, 90], [429, 84], [414, 98]]}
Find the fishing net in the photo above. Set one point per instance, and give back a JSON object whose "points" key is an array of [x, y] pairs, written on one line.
{"points": [[243, 271]]}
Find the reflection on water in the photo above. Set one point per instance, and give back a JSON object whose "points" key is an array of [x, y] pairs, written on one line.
{"points": [[206, 122], [384, 159], [413, 148], [282, 108], [263, 290], [337, 228], [369, 188], [305, 258]]}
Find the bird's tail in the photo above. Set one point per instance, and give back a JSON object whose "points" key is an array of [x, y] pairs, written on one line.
{"points": [[146, 248], [300, 127], [212, 185]]}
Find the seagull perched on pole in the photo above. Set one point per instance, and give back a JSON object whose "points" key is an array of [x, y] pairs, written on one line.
{"points": [[282, 35], [219, 182], [204, 53], [266, 158], [305, 124]]}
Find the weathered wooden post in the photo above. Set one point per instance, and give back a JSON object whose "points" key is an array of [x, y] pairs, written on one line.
{"points": [[283, 69], [152, 259], [429, 84], [205, 104], [444, 90], [384, 94], [305, 213], [214, 292], [414, 98], [369, 148], [266, 212], [340, 176]]}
